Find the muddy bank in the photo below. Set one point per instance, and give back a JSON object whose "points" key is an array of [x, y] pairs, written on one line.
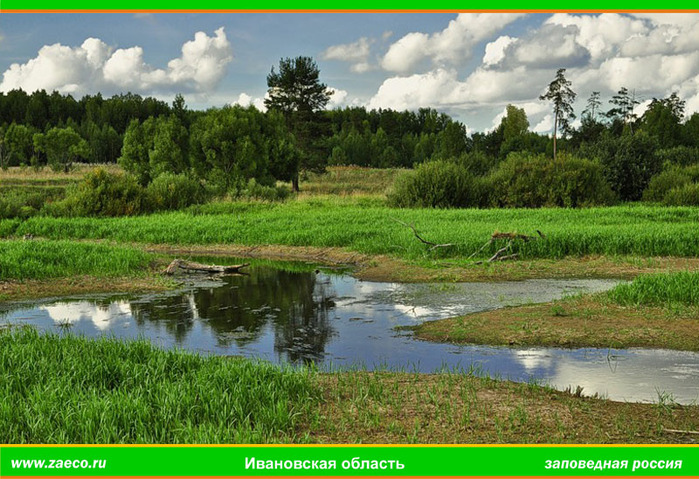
{"points": [[386, 268], [79, 285], [586, 321], [380, 268]]}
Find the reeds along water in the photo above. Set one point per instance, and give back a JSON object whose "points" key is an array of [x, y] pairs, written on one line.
{"points": [[665, 289]]}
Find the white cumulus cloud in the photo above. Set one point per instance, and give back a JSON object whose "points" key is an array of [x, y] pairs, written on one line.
{"points": [[650, 54], [95, 66], [338, 98], [246, 100], [356, 53], [451, 46], [495, 51]]}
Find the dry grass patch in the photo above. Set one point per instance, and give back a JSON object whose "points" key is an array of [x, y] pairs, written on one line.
{"points": [[17, 174], [78, 285], [459, 408], [585, 321]]}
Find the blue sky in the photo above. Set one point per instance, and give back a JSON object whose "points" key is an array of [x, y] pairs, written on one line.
{"points": [[469, 65]]}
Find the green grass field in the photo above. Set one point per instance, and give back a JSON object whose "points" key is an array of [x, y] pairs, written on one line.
{"points": [[74, 390], [363, 226], [20, 260]]}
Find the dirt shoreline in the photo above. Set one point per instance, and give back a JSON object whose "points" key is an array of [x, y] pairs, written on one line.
{"points": [[379, 268], [382, 268]]}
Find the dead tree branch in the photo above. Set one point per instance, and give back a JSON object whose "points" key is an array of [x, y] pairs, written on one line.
{"points": [[499, 252], [511, 237], [431, 244], [191, 266]]}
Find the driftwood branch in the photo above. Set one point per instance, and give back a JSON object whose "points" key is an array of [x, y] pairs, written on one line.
{"points": [[431, 244], [499, 252], [511, 237], [191, 266]]}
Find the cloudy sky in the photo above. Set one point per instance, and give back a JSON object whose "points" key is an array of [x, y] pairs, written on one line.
{"points": [[469, 65]]}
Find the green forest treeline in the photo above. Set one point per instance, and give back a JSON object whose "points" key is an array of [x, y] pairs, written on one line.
{"points": [[612, 156]]}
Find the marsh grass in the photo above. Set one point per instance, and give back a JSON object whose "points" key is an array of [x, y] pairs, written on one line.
{"points": [[47, 176], [61, 388], [663, 289], [68, 389], [364, 227], [350, 180], [43, 259]]}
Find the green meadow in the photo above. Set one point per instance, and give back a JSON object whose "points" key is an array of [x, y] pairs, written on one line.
{"points": [[366, 226]]}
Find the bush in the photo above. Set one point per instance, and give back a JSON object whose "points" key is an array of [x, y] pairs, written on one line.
{"points": [[102, 194], [687, 195], [662, 183], [476, 162], [255, 190], [436, 184], [679, 155], [17, 203], [629, 162], [525, 181], [173, 192]]}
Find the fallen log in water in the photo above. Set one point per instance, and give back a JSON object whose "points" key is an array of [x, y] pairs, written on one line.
{"points": [[201, 268]]}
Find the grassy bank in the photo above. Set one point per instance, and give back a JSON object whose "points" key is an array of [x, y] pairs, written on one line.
{"points": [[670, 290], [22, 260], [65, 389], [589, 321], [43, 268], [363, 226], [653, 311], [460, 408], [74, 390]]}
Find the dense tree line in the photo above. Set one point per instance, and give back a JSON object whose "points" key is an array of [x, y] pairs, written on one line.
{"points": [[228, 147], [100, 122]]}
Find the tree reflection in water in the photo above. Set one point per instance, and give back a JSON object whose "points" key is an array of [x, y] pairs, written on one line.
{"points": [[295, 305]]}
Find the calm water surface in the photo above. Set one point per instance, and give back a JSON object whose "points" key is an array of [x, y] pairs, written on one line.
{"points": [[337, 321]]}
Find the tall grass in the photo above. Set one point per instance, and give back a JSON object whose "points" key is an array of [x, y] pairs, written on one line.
{"points": [[366, 227], [666, 289], [350, 180], [73, 390], [46, 176], [56, 259]]}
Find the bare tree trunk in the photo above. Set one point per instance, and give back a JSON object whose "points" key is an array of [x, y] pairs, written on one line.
{"points": [[295, 182], [555, 130]]}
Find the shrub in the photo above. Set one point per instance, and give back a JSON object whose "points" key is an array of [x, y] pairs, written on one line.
{"points": [[436, 184], [662, 183], [629, 162], [679, 155], [687, 195], [173, 192], [525, 181], [102, 193], [255, 190], [16, 203], [476, 162]]}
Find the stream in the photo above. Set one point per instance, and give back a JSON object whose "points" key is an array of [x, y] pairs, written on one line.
{"points": [[337, 321]]}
